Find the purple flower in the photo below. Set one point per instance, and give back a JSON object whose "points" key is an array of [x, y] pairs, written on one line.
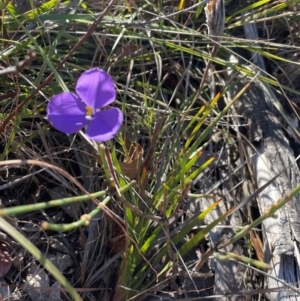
{"points": [[69, 113]]}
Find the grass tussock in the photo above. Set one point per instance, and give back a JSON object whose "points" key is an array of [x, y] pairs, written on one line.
{"points": [[126, 219]]}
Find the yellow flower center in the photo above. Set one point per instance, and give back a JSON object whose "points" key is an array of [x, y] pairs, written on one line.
{"points": [[89, 111]]}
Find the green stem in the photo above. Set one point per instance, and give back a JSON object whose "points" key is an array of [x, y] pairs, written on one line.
{"points": [[84, 220], [50, 204]]}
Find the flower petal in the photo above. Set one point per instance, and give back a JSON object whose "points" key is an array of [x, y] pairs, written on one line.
{"points": [[96, 88], [105, 125], [67, 113]]}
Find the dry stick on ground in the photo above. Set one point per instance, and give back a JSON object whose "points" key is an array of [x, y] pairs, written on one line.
{"points": [[273, 154]]}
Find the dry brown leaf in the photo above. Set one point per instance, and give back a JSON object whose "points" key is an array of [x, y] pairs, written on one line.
{"points": [[133, 159], [257, 245]]}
